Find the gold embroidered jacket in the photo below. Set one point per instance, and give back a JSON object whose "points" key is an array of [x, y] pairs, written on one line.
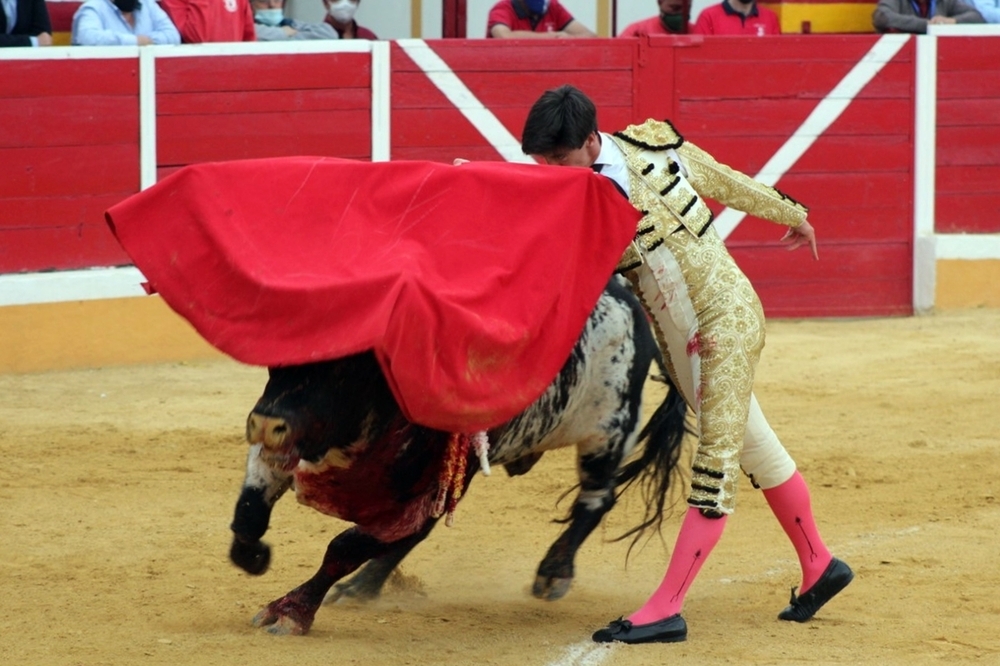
{"points": [[670, 201]]}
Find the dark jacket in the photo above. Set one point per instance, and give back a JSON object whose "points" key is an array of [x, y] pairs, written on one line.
{"points": [[32, 20], [901, 16]]}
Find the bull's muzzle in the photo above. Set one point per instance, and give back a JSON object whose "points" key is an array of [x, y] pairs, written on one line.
{"points": [[270, 431]]}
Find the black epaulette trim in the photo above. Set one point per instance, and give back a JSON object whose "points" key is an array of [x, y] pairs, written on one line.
{"points": [[669, 187], [698, 486], [657, 243], [690, 205], [674, 167], [649, 167], [643, 144], [711, 218], [708, 472]]}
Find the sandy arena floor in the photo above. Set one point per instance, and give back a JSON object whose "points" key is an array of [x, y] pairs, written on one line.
{"points": [[118, 486]]}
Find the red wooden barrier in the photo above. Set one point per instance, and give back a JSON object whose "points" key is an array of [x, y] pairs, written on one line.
{"points": [[856, 178], [243, 107], [69, 149], [69, 138], [968, 136]]}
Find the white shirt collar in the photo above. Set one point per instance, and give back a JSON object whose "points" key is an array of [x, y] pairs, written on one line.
{"points": [[613, 162]]}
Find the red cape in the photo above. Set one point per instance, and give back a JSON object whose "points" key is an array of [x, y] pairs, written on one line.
{"points": [[471, 283]]}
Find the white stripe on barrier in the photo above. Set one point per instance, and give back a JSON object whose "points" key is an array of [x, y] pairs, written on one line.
{"points": [[459, 94], [147, 119], [827, 111], [83, 285], [381, 102], [924, 172]]}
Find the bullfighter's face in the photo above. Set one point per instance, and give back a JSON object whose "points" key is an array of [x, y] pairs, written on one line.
{"points": [[584, 156]]}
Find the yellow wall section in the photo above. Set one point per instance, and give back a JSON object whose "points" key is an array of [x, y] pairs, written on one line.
{"points": [[824, 17], [964, 284], [89, 334]]}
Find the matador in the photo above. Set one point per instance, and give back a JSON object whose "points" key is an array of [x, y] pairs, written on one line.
{"points": [[710, 324]]}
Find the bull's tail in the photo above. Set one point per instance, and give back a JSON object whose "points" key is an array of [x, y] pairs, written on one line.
{"points": [[661, 442]]}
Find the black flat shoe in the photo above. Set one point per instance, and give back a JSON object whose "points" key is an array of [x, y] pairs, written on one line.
{"points": [[834, 579], [670, 630]]}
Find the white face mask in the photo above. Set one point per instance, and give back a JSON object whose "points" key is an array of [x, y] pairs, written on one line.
{"points": [[342, 11], [271, 17]]}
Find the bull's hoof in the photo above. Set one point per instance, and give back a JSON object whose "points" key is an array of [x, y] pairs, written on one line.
{"points": [[549, 588], [353, 591], [280, 624], [253, 557]]}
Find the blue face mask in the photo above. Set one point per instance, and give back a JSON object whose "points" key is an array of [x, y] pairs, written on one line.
{"points": [[270, 17], [537, 6]]}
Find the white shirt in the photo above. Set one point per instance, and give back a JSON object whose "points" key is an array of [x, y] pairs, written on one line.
{"points": [[611, 161]]}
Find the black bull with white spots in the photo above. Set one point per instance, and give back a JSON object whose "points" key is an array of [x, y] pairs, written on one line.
{"points": [[334, 433]]}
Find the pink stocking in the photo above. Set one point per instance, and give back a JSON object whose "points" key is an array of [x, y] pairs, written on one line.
{"points": [[792, 507], [695, 542]]}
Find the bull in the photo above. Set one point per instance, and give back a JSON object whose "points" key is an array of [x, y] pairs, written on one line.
{"points": [[334, 432]]}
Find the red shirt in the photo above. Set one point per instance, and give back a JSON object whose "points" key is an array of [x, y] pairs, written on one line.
{"points": [[359, 32], [722, 19], [512, 14], [650, 26], [211, 20]]}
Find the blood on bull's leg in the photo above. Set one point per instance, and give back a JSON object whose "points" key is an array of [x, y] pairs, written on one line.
{"points": [[367, 584], [294, 613]]}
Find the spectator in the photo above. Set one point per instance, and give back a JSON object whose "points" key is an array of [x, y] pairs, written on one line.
{"points": [[272, 26], [122, 23], [340, 16], [211, 20], [519, 19], [25, 23], [734, 17], [672, 20], [915, 15], [988, 9]]}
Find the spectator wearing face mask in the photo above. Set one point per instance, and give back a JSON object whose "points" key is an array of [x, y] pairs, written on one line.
{"points": [[521, 19], [25, 23], [340, 16], [272, 26], [201, 21], [672, 20], [122, 23]]}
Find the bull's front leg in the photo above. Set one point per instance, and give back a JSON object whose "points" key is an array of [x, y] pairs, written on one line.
{"points": [[262, 487], [367, 584], [294, 613]]}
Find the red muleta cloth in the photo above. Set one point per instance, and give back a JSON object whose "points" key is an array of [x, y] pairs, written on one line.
{"points": [[471, 283]]}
